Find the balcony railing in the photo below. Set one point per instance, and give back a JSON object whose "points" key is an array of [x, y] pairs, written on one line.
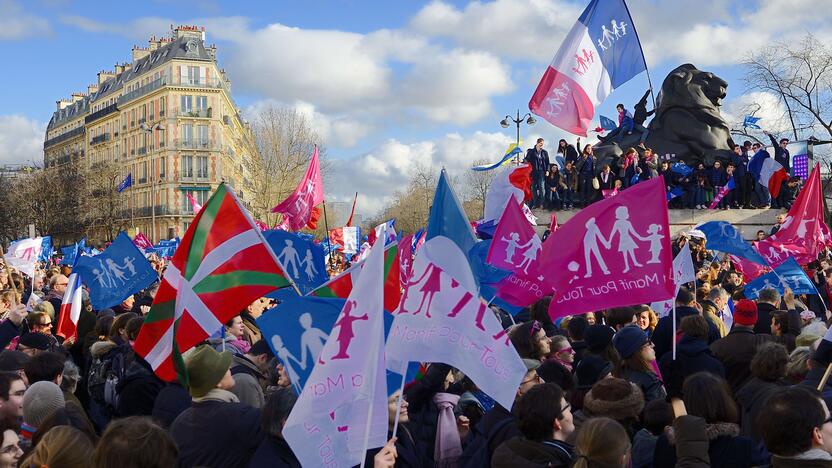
{"points": [[142, 150], [142, 120], [190, 82], [64, 136], [196, 113], [100, 139], [195, 145], [139, 92], [101, 113]]}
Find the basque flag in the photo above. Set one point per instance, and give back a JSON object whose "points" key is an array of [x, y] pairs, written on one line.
{"points": [[601, 52], [126, 183], [70, 307]]}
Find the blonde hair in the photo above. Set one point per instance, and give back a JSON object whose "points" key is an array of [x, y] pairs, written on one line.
{"points": [[62, 446], [601, 443], [46, 308]]}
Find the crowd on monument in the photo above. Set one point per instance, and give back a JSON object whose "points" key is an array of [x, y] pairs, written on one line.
{"points": [[606, 388]]}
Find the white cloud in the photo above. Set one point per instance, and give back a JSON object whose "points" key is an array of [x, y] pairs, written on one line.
{"points": [[17, 24], [766, 105], [21, 140]]}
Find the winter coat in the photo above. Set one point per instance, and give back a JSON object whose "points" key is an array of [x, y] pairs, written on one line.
{"points": [[711, 313], [251, 332], [247, 382], [586, 166], [170, 403], [570, 178], [406, 454], [691, 442], [422, 412], [663, 333], [752, 398], [726, 448], [736, 351], [139, 389], [644, 444], [520, 451], [692, 356], [217, 434], [764, 318], [8, 332], [489, 420], [274, 452], [648, 382], [538, 161]]}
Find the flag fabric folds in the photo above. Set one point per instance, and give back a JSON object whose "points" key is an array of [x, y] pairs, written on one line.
{"points": [[126, 183], [302, 259], [787, 274], [600, 53], [141, 241], [722, 192], [515, 245], [116, 273], [621, 255], [24, 253], [222, 266], [514, 152], [751, 122], [767, 171], [447, 218], [724, 237], [298, 208], [510, 182], [70, 307], [342, 410], [683, 272]]}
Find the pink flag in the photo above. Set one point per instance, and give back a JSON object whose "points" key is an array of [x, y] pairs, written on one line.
{"points": [[342, 410], [297, 209], [263, 226], [405, 258], [441, 319], [141, 241], [616, 252], [515, 245], [804, 233], [194, 204], [749, 269], [553, 224]]}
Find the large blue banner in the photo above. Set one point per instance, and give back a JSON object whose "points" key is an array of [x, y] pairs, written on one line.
{"points": [[724, 237], [302, 259], [297, 330], [788, 274], [47, 250], [116, 273]]}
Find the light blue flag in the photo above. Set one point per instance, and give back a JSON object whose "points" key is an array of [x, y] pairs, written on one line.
{"points": [[297, 329], [751, 122], [788, 274], [47, 250], [447, 218], [723, 236], [116, 273], [302, 259], [608, 124]]}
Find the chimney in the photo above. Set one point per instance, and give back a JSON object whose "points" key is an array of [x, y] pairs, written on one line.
{"points": [[139, 53], [104, 76], [63, 103], [189, 32], [78, 96], [92, 89]]}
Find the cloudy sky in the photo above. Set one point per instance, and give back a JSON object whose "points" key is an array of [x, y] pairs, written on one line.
{"points": [[387, 84]]}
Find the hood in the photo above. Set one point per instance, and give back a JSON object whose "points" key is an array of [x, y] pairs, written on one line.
{"points": [[692, 346], [100, 348], [712, 431], [520, 451]]}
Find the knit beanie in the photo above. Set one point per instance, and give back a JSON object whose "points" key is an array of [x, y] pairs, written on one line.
{"points": [[206, 367], [598, 337], [40, 401], [531, 364], [745, 313], [629, 340], [614, 398]]}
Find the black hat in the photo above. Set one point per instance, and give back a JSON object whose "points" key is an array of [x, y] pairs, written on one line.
{"points": [[35, 340], [598, 337]]}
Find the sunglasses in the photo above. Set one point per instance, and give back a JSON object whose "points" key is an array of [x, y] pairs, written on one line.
{"points": [[536, 378], [568, 349]]}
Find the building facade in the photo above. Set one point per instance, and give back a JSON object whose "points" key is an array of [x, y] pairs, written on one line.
{"points": [[167, 118]]}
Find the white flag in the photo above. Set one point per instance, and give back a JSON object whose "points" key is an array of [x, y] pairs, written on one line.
{"points": [[442, 319], [683, 272], [344, 401], [24, 253], [350, 239]]}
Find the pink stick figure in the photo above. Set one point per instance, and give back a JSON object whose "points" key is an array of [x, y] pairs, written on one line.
{"points": [[345, 333]]}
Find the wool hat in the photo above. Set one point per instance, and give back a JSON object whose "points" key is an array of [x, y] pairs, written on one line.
{"points": [[35, 340], [531, 364], [598, 337], [206, 367], [40, 401], [614, 398], [591, 369], [629, 340], [12, 361], [745, 313]]}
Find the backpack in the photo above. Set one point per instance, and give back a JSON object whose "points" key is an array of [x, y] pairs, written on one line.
{"points": [[475, 454], [105, 374]]}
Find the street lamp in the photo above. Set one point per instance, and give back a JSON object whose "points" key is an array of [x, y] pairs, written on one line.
{"points": [[528, 118], [149, 130]]}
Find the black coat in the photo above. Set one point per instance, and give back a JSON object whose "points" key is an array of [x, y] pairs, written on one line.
{"points": [[723, 450], [736, 351], [274, 452], [422, 412], [407, 455], [520, 451], [764, 318], [663, 334], [692, 356], [138, 390], [170, 403], [752, 398], [217, 434], [539, 162], [490, 419], [609, 184], [8, 332]]}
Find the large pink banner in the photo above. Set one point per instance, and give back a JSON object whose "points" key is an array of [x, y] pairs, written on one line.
{"points": [[616, 252]]}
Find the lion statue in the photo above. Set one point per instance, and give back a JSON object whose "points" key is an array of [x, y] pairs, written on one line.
{"points": [[687, 121]]}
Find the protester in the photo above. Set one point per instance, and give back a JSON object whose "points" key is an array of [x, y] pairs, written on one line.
{"points": [[250, 372], [613, 398], [40, 400], [531, 341], [135, 442], [737, 349], [685, 306], [602, 442], [637, 354], [233, 339], [63, 446], [251, 331], [692, 356], [10, 451], [768, 370], [657, 416], [797, 429], [12, 389]]}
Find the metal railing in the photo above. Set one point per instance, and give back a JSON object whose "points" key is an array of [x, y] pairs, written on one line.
{"points": [[195, 145], [101, 113], [100, 139], [141, 91], [142, 150], [64, 136], [196, 113]]}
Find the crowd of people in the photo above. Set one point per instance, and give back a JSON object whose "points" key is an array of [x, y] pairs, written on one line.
{"points": [[613, 387], [576, 180]]}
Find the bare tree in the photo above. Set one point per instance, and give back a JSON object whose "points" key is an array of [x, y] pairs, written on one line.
{"points": [[801, 75]]}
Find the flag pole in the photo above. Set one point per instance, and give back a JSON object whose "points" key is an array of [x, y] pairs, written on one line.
{"points": [[326, 235], [825, 377], [401, 396], [643, 58], [674, 329]]}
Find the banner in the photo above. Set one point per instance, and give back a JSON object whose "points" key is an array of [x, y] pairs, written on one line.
{"points": [[787, 274], [724, 237], [297, 209], [24, 253], [302, 260], [46, 249], [683, 272], [515, 245], [116, 273]]}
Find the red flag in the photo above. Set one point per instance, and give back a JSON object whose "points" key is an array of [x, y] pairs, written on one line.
{"points": [[297, 209], [553, 224], [352, 213]]}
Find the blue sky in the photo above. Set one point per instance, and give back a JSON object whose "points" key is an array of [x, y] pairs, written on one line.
{"points": [[387, 84]]}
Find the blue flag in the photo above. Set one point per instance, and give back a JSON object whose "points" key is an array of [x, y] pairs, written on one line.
{"points": [[675, 192], [47, 250], [447, 218], [608, 124], [302, 259], [788, 274], [751, 122], [126, 183], [297, 329], [489, 276], [723, 236], [116, 273], [69, 254], [611, 30], [682, 169]]}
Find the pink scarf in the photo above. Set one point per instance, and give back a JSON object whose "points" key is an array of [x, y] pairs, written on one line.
{"points": [[448, 447]]}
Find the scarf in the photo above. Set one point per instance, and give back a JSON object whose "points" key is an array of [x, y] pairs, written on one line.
{"points": [[218, 394], [448, 446]]}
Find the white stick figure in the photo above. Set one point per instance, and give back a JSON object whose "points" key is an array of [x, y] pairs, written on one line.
{"points": [[116, 271], [128, 263], [655, 239], [607, 36], [312, 340], [285, 357], [616, 31], [533, 246], [626, 234], [289, 258], [99, 275], [591, 238], [512, 243]]}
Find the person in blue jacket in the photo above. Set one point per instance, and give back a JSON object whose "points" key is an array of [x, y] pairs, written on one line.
{"points": [[625, 126]]}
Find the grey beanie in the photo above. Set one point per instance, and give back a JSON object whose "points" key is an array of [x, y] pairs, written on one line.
{"points": [[40, 401]]}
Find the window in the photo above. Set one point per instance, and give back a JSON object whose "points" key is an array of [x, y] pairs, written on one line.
{"points": [[143, 172], [202, 167], [193, 75], [187, 134], [202, 133], [162, 102], [201, 196], [162, 167], [201, 102], [186, 103], [187, 166]]}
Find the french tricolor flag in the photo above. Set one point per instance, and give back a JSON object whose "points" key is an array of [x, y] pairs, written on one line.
{"points": [[70, 307], [601, 52]]}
